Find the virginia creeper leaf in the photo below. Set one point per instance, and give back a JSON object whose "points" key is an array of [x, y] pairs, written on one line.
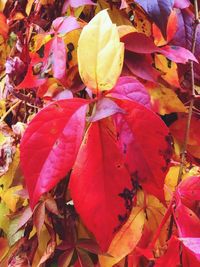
{"points": [[187, 221], [131, 89], [192, 244], [4, 27], [64, 25], [126, 239], [189, 189], [171, 257], [55, 133], [59, 57], [100, 184], [141, 66], [105, 107], [145, 145], [140, 43], [159, 11], [101, 66]]}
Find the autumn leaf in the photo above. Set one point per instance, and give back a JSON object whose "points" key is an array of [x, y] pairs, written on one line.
{"points": [[61, 126], [126, 239], [146, 147], [96, 186], [165, 100], [159, 11], [131, 89], [105, 52]]}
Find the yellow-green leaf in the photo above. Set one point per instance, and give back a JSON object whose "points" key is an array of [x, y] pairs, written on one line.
{"points": [[100, 53]]}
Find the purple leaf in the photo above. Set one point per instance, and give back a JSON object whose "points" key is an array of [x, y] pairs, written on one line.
{"points": [[159, 11]]}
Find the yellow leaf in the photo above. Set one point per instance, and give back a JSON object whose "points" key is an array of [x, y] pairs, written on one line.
{"points": [[154, 211], [7, 178], [100, 53], [2, 107], [169, 69], [2, 5], [126, 239], [165, 100], [119, 17], [11, 198], [4, 221], [29, 6]]}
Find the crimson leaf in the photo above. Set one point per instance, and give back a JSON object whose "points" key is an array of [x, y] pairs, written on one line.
{"points": [[50, 145]]}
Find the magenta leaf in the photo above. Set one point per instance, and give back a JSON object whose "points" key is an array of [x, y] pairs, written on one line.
{"points": [[64, 25], [59, 57], [131, 89]]}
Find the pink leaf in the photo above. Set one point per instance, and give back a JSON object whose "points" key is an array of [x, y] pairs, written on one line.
{"points": [[105, 107], [75, 4], [131, 89], [50, 145], [59, 57], [181, 4], [178, 54], [64, 25]]}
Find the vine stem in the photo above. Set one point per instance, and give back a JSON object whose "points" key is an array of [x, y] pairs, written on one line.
{"points": [[190, 111]]}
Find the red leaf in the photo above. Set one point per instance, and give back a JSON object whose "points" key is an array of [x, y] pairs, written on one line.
{"points": [[59, 57], [97, 180], [50, 145], [189, 189], [145, 145], [171, 257], [141, 66], [140, 43], [4, 26], [159, 11], [187, 222], [131, 89], [33, 79], [64, 25]]}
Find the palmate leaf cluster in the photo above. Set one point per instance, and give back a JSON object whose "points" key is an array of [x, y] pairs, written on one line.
{"points": [[97, 111]]}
